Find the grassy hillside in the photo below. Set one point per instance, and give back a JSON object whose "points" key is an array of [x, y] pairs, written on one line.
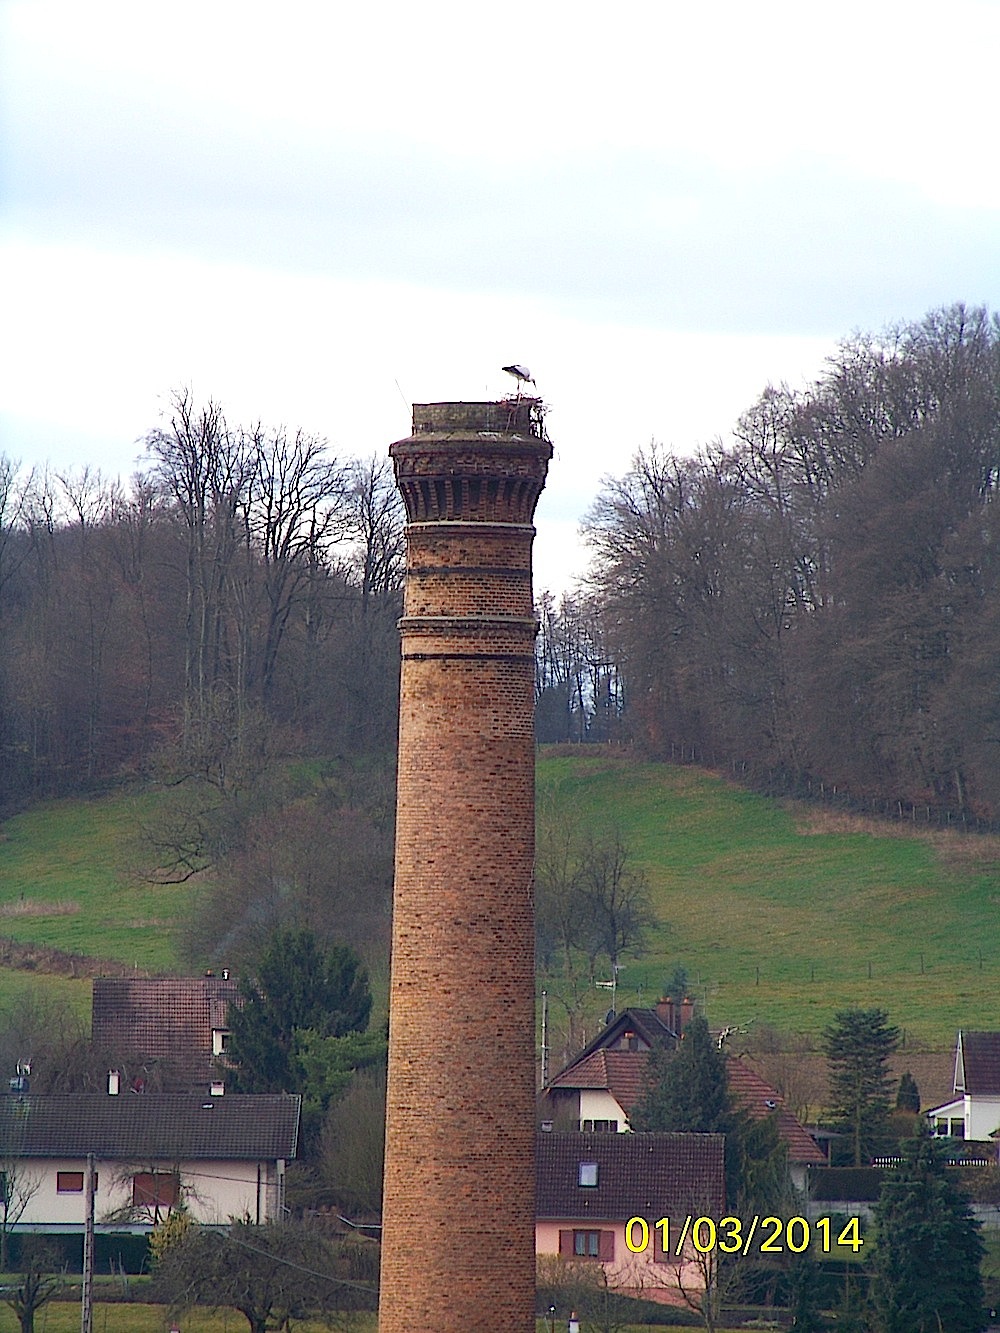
{"points": [[71, 878], [783, 913]]}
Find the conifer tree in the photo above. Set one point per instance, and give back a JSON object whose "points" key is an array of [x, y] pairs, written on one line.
{"points": [[858, 1045], [908, 1094], [301, 986], [686, 1090], [926, 1262]]}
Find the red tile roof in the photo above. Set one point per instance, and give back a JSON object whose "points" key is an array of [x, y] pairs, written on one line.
{"points": [[589, 1071], [626, 1076], [756, 1096], [167, 1020], [638, 1175], [623, 1074]]}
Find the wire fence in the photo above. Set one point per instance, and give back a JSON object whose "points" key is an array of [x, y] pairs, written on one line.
{"points": [[783, 782]]}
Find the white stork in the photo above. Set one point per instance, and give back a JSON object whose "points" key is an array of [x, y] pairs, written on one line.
{"points": [[521, 373]]}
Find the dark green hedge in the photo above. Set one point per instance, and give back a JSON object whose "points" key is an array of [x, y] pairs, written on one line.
{"points": [[840, 1183]]}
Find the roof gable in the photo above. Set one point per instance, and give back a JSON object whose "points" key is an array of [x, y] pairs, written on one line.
{"points": [[632, 1032], [977, 1064], [650, 1175], [147, 1128]]}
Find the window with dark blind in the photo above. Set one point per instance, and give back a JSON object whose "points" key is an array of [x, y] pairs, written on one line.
{"points": [[155, 1189]]}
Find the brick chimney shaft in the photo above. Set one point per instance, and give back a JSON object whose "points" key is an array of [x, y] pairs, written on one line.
{"points": [[458, 1216]]}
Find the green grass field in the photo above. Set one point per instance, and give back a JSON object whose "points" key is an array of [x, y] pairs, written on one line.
{"points": [[60, 1317], [64, 1317], [783, 913], [72, 878]]}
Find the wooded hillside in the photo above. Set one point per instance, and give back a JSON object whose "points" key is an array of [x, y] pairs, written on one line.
{"points": [[817, 597], [240, 592]]}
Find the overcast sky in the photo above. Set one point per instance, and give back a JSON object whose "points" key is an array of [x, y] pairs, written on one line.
{"points": [[319, 213]]}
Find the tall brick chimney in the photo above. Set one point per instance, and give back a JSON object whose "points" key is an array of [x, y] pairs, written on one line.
{"points": [[458, 1216]]}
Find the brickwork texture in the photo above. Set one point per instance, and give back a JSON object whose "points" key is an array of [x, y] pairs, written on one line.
{"points": [[458, 1216]]}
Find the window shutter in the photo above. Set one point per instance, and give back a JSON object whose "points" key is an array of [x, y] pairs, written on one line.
{"points": [[143, 1189], [607, 1247], [660, 1256], [566, 1244], [155, 1189]]}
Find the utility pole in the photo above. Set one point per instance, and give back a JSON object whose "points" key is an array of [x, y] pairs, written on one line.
{"points": [[87, 1312], [545, 1037]]}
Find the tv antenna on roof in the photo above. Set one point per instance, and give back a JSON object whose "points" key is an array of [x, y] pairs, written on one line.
{"points": [[612, 986]]}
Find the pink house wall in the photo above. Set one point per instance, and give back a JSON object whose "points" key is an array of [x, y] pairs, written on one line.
{"points": [[634, 1274]]}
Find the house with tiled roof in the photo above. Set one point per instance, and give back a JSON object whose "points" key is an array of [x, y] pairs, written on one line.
{"points": [[754, 1095], [222, 1157], [166, 1033], [591, 1186], [598, 1090], [974, 1111]]}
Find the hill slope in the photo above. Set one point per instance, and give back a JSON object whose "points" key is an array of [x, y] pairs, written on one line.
{"points": [[783, 913], [71, 879]]}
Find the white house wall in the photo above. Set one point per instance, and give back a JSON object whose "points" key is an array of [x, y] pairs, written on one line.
{"points": [[943, 1117], [979, 1115], [599, 1104], [213, 1192], [982, 1116]]}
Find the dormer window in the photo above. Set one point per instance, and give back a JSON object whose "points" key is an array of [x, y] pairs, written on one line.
{"points": [[220, 1041], [588, 1173]]}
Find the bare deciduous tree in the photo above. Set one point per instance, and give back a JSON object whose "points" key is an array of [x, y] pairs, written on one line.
{"points": [[592, 903], [40, 1279]]}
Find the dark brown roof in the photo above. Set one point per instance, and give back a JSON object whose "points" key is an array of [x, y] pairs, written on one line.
{"points": [[638, 1175], [166, 1020], [649, 1024], [979, 1057], [148, 1127], [646, 1024]]}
